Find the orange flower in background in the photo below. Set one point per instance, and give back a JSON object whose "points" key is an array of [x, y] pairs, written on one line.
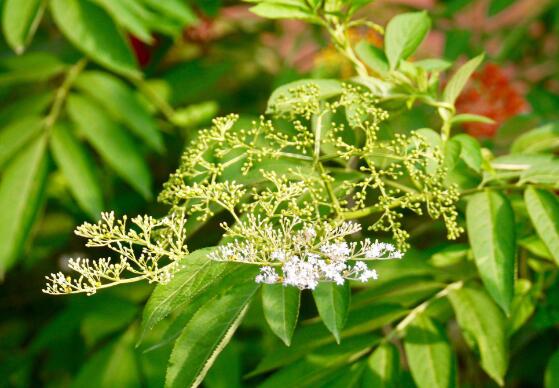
{"points": [[490, 93]]}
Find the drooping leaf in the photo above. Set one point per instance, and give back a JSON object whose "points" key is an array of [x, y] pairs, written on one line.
{"points": [[491, 230], [29, 68], [90, 29], [17, 134], [21, 192], [332, 302], [20, 19], [383, 367], [470, 151], [281, 309], [78, 168], [210, 329], [121, 102], [551, 378], [483, 324], [130, 15], [543, 209], [33, 105], [430, 357], [113, 366], [111, 141], [457, 82], [471, 118], [404, 34], [282, 99]]}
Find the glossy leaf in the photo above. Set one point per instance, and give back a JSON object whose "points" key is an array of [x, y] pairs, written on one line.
{"points": [[121, 102], [281, 309], [90, 29], [543, 209], [430, 357], [210, 329], [332, 302], [78, 168], [483, 326], [404, 33], [457, 82], [383, 367], [21, 192], [112, 142], [15, 135], [491, 230], [20, 19]]}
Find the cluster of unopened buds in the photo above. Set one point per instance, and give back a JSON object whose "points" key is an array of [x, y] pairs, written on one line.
{"points": [[305, 266]]}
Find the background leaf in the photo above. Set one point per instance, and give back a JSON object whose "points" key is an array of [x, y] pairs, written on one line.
{"points": [[543, 209], [111, 141], [404, 33], [20, 19], [90, 29], [490, 225], [457, 82], [383, 367], [552, 371], [21, 191], [78, 168]]}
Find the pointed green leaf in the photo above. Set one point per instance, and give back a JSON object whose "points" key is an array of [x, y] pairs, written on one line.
{"points": [[457, 82], [332, 302], [430, 357], [542, 139], [383, 367], [491, 230], [78, 168], [16, 134], [551, 379], [483, 324], [21, 193], [90, 29], [281, 309], [112, 142], [404, 34], [210, 329], [197, 275], [121, 102], [543, 208], [372, 56], [20, 19], [285, 9], [128, 15]]}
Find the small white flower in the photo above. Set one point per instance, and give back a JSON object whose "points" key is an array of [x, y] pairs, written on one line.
{"points": [[267, 275], [336, 251]]}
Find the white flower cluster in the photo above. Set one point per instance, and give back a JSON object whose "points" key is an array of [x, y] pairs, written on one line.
{"points": [[300, 255]]}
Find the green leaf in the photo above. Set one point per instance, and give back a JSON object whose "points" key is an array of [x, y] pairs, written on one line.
{"points": [[112, 366], [551, 379], [210, 329], [198, 274], [121, 102], [543, 209], [32, 67], [20, 19], [429, 354], [457, 82], [523, 306], [31, 105], [281, 309], [21, 192], [130, 15], [176, 9], [433, 64], [483, 324], [404, 34], [332, 302], [470, 118], [78, 168], [470, 151], [282, 99], [112, 142], [90, 29], [285, 9], [17, 134], [491, 230], [383, 367], [372, 56], [544, 173], [542, 139]]}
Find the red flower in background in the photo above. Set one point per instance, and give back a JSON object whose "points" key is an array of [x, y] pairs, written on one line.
{"points": [[142, 50], [490, 93]]}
